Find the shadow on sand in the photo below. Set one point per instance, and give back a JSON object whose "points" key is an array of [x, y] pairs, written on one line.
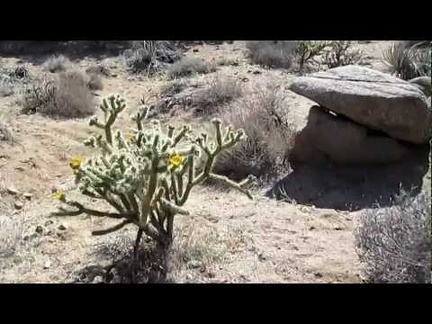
{"points": [[355, 187], [151, 265]]}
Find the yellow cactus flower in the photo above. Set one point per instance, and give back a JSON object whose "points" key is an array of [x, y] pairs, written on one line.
{"points": [[176, 160], [60, 195], [75, 163], [131, 137]]}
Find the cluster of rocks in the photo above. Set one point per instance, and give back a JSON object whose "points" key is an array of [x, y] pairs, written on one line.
{"points": [[363, 116]]}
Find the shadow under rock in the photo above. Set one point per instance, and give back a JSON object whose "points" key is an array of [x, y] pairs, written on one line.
{"points": [[353, 187]]}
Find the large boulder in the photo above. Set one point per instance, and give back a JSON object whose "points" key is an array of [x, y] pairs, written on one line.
{"points": [[328, 138], [371, 98]]}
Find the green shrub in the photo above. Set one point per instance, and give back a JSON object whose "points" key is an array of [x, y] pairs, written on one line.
{"points": [[340, 53], [408, 62], [150, 56], [395, 243], [220, 91], [187, 67], [147, 176], [269, 136], [59, 63], [66, 96], [272, 54], [95, 82]]}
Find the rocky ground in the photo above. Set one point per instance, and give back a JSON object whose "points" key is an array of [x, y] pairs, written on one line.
{"points": [[227, 238]]}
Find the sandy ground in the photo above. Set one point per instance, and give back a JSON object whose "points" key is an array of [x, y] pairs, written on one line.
{"points": [[234, 239]]}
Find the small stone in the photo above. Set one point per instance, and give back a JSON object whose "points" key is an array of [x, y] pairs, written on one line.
{"points": [[189, 276], [211, 275], [311, 228], [98, 279], [338, 228], [318, 275], [39, 229], [49, 222], [256, 72], [195, 50], [18, 205], [12, 191], [47, 264], [62, 227], [27, 195]]}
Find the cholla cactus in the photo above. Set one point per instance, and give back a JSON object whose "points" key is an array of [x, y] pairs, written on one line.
{"points": [[147, 177]]}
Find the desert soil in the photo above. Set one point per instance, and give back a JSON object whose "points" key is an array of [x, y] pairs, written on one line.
{"points": [[229, 237]]}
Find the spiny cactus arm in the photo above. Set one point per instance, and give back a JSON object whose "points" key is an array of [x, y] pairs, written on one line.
{"points": [[157, 222], [139, 116], [238, 186], [84, 210], [152, 183], [180, 135], [175, 187], [172, 208], [94, 121], [170, 132], [190, 181], [111, 229], [116, 105], [133, 203]]}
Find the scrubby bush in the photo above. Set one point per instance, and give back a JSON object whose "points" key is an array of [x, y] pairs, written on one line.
{"points": [[188, 66], [174, 87], [340, 53], [99, 69], [150, 56], [307, 53], [272, 54], [6, 134], [13, 78], [66, 96], [95, 82], [148, 175], [269, 136], [220, 90], [11, 234], [59, 63], [395, 243], [408, 61]]}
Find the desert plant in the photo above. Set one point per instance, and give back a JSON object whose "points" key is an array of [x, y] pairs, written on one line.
{"points": [[269, 136], [66, 96], [99, 69], [340, 53], [150, 56], [173, 88], [188, 66], [148, 176], [95, 82], [219, 91], [308, 51], [227, 62], [6, 134], [395, 243], [59, 63], [408, 62], [272, 54], [13, 78], [11, 234]]}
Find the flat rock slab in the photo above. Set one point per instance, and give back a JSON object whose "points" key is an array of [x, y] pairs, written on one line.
{"points": [[371, 98]]}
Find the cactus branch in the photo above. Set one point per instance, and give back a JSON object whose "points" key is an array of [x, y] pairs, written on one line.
{"points": [[111, 229]]}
